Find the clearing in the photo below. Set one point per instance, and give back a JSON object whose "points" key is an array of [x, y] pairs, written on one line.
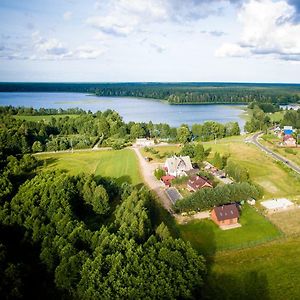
{"points": [[120, 164]]}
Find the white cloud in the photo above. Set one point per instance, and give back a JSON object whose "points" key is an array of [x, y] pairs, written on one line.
{"points": [[269, 28], [232, 50], [67, 15], [123, 17]]}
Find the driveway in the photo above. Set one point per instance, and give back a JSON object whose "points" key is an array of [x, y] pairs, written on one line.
{"points": [[147, 170]]}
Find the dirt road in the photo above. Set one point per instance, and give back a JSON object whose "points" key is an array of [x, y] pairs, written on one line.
{"points": [[147, 170]]}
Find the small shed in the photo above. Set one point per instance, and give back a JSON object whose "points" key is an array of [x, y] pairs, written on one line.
{"points": [[225, 215], [167, 179]]}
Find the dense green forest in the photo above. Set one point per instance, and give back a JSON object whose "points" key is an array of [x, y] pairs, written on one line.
{"points": [[86, 129], [174, 93], [83, 237]]}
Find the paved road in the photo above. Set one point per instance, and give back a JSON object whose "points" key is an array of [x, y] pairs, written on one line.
{"points": [[288, 163]]}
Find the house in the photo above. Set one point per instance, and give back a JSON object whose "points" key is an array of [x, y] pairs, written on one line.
{"points": [[167, 179], [225, 214], [198, 182], [178, 165], [288, 130], [144, 142], [289, 141]]}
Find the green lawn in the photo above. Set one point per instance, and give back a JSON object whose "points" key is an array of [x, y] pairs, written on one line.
{"points": [[263, 169], [207, 237], [161, 151], [269, 271], [120, 164], [46, 118]]}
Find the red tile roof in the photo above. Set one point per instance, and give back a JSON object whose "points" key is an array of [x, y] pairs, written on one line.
{"points": [[198, 182], [226, 212]]}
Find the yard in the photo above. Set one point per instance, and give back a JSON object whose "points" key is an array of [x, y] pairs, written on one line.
{"points": [[263, 170], [163, 152], [208, 238], [120, 164]]}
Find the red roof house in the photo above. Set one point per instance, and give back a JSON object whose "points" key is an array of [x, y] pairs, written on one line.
{"points": [[288, 140], [167, 179], [225, 214], [198, 182]]}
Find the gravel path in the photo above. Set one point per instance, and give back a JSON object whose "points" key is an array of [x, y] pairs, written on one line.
{"points": [[158, 187]]}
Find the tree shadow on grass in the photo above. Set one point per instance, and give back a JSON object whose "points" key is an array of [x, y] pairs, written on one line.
{"points": [[248, 286]]}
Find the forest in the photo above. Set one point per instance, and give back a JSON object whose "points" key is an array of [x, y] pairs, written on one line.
{"points": [[173, 93], [86, 129], [83, 237]]}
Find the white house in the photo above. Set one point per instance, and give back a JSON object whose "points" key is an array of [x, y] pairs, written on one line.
{"points": [[144, 142], [178, 165]]}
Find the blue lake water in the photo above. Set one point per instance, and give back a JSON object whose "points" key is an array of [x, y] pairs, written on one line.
{"points": [[131, 109]]}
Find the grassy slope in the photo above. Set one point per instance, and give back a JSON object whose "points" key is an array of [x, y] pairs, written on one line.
{"points": [[121, 164], [262, 169], [46, 118], [208, 238]]}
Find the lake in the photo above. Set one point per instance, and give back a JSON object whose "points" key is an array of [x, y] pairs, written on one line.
{"points": [[131, 109]]}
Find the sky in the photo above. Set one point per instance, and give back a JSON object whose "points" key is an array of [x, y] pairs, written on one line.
{"points": [[150, 40]]}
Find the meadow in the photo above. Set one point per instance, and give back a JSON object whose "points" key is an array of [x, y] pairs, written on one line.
{"points": [[263, 170], [119, 164], [208, 238], [268, 271]]}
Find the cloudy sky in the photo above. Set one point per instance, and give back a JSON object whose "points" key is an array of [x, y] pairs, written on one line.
{"points": [[150, 40]]}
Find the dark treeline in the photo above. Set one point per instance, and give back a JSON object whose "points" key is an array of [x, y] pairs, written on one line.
{"points": [[84, 256], [30, 111], [86, 129], [174, 93], [291, 118]]}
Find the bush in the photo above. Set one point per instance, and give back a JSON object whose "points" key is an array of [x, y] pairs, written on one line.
{"points": [[290, 151], [159, 173]]}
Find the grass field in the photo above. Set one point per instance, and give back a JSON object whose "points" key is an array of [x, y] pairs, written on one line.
{"points": [[277, 116], [288, 221], [120, 164], [207, 237], [162, 150], [269, 271], [46, 118], [262, 169]]}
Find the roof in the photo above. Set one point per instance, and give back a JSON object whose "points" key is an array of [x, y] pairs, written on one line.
{"points": [[288, 131], [178, 163], [173, 194], [226, 212], [192, 172], [287, 137], [198, 182], [287, 127], [167, 178]]}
